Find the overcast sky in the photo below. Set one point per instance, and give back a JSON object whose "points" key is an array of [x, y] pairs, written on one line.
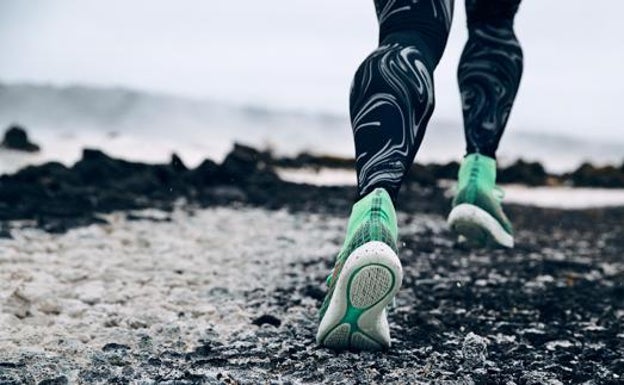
{"points": [[302, 53]]}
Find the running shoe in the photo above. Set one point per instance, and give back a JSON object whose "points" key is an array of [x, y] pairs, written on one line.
{"points": [[366, 277], [477, 214]]}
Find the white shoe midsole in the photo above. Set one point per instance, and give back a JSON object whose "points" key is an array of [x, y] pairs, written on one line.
{"points": [[373, 320], [470, 215]]}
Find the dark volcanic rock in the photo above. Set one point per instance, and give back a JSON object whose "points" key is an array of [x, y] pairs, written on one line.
{"points": [[177, 164], [114, 347], [59, 198], [240, 164], [5, 232], [15, 138], [530, 173], [267, 319], [446, 171], [62, 380], [422, 175], [205, 174], [430, 174], [591, 176], [244, 164]]}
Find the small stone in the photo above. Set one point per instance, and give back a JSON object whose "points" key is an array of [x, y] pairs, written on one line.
{"points": [[203, 310], [114, 346], [8, 365], [135, 323], [15, 138], [540, 378], [50, 306], [535, 336], [62, 380], [18, 304], [90, 292], [474, 350], [314, 291], [554, 345], [267, 319]]}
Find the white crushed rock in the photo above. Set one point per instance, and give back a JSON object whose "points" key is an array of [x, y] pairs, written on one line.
{"points": [[66, 294]]}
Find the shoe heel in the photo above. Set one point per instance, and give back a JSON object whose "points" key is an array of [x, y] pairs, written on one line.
{"points": [[478, 227], [356, 316]]}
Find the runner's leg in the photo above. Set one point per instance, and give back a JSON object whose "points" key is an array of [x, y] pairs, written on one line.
{"points": [[489, 72], [392, 96], [489, 75]]}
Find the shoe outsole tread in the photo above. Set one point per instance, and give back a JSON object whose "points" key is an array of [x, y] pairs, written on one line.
{"points": [[356, 316]]}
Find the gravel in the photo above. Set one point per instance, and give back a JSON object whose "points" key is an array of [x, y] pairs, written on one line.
{"points": [[229, 295]]}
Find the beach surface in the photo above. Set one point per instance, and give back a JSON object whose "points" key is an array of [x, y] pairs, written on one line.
{"points": [[222, 286]]}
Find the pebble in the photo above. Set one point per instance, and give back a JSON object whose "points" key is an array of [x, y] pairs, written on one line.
{"points": [[474, 350]]}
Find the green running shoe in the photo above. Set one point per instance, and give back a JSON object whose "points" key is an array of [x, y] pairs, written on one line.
{"points": [[365, 279], [477, 213]]}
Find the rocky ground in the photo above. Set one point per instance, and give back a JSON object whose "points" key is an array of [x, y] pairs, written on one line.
{"points": [[220, 284]]}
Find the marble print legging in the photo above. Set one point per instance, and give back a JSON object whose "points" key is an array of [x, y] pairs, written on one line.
{"points": [[392, 95]]}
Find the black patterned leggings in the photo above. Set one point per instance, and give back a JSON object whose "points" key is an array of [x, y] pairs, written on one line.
{"points": [[392, 96]]}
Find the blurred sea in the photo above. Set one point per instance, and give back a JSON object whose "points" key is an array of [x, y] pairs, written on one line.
{"points": [[150, 127]]}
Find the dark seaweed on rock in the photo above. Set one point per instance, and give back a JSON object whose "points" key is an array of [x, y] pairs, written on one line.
{"points": [[59, 197], [529, 173], [588, 175]]}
